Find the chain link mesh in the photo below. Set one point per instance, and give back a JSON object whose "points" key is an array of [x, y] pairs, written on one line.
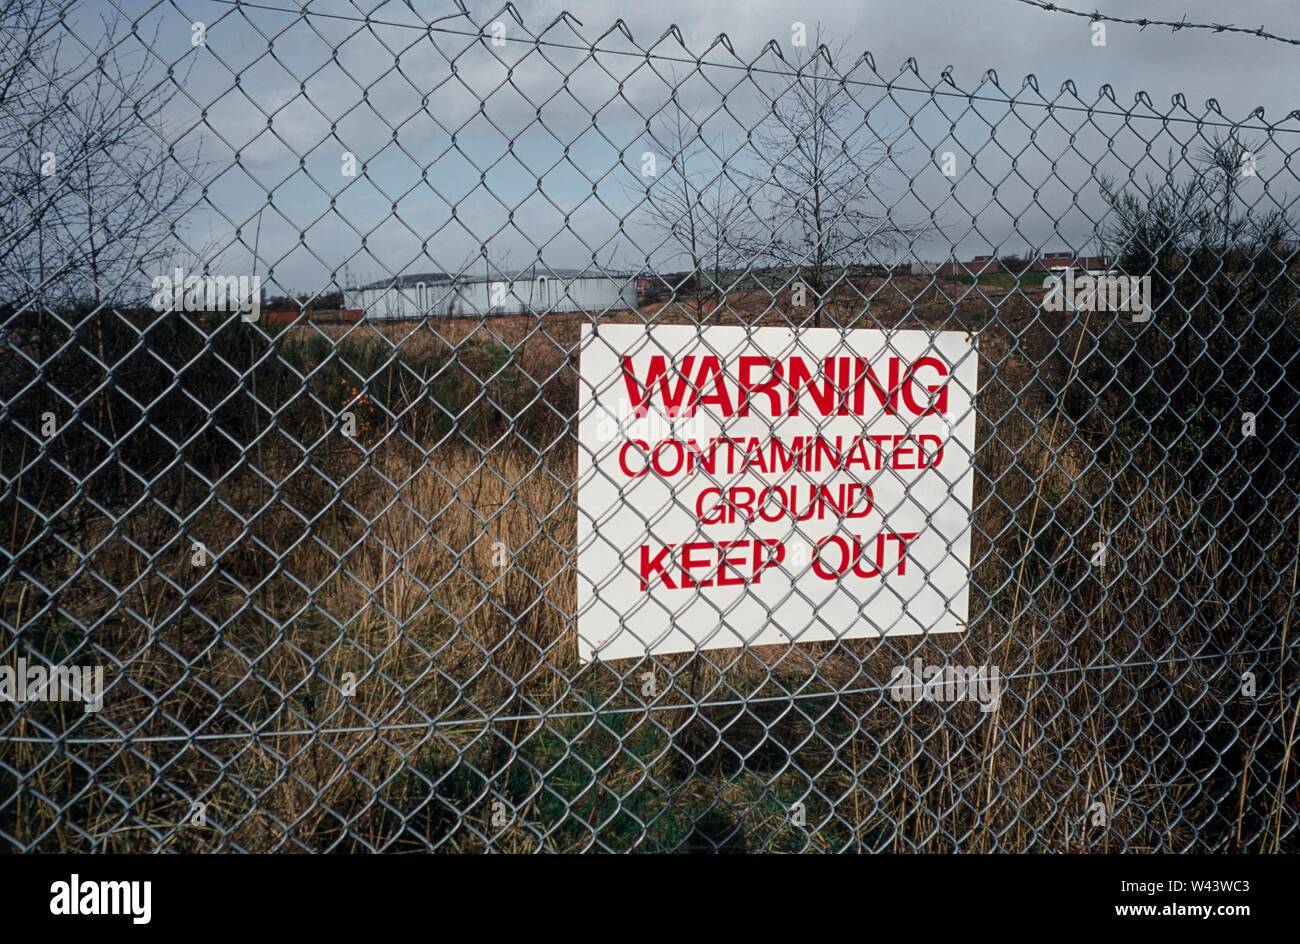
{"points": [[324, 546]]}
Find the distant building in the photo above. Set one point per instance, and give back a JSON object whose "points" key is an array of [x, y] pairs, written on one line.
{"points": [[651, 287], [1046, 262]]}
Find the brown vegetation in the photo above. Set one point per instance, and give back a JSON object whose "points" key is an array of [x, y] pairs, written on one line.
{"points": [[381, 558]]}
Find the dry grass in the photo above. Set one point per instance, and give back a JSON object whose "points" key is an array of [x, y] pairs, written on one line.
{"points": [[394, 576]]}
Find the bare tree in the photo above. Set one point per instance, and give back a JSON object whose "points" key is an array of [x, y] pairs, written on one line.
{"points": [[822, 171], [93, 196], [692, 204], [1225, 160], [28, 43], [91, 189]]}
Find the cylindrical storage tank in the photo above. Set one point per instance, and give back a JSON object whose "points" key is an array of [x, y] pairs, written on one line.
{"points": [[549, 294], [416, 297], [406, 298], [597, 294]]}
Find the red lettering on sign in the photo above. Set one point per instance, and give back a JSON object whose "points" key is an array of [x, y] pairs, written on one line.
{"points": [[700, 564], [797, 385]]}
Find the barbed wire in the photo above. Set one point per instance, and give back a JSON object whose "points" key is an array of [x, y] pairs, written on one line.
{"points": [[1175, 25], [750, 68]]}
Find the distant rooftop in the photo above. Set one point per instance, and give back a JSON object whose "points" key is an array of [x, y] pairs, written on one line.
{"points": [[496, 275], [402, 281]]}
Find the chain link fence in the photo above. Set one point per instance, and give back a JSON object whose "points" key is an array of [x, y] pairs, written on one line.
{"points": [[292, 563]]}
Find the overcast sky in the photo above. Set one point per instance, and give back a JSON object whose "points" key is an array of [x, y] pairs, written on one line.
{"points": [[455, 196]]}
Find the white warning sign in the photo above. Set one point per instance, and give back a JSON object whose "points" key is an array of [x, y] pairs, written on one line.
{"points": [[770, 486]]}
